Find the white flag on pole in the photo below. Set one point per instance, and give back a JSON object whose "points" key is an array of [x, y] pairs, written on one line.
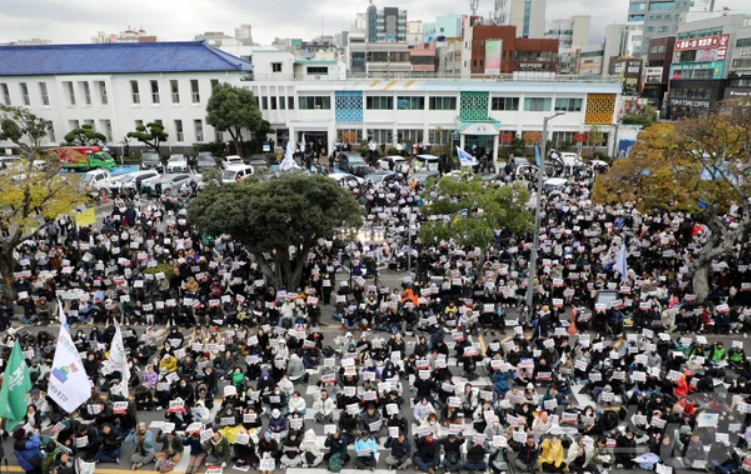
{"points": [[621, 265], [288, 163], [118, 360], [69, 385], [465, 159], [302, 144]]}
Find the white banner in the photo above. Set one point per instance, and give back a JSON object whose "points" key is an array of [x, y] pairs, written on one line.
{"points": [[69, 385], [118, 361]]}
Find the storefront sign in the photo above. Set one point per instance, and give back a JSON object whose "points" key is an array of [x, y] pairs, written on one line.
{"points": [[719, 41], [701, 104]]}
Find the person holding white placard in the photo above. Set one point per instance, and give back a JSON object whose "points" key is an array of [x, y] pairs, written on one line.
{"points": [[324, 407]]}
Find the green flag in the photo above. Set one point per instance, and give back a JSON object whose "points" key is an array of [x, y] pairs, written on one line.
{"points": [[16, 384]]}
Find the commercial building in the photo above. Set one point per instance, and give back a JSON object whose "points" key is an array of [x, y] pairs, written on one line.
{"points": [[528, 16], [445, 26], [572, 34], [622, 40], [739, 70], [388, 24], [657, 70], [698, 73], [630, 72], [379, 59], [664, 17], [118, 87], [591, 60]]}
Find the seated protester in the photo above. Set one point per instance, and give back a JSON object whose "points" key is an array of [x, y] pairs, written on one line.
{"points": [[365, 450], [26, 448], [244, 452], [217, 450], [170, 453], [268, 447], [398, 421], [337, 443], [142, 444], [626, 449], [180, 416], [109, 447], [297, 404], [427, 453], [431, 424], [349, 423], [324, 408], [276, 400], [452, 450], [311, 455], [552, 456], [399, 452], [291, 451], [693, 452], [422, 409], [476, 457], [370, 421], [87, 442], [277, 424], [296, 370], [578, 457]]}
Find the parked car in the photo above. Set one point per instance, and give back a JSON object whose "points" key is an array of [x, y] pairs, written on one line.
{"points": [[233, 173], [172, 183], [150, 160], [393, 163], [346, 179], [382, 176], [427, 163], [232, 160], [91, 178], [177, 163], [135, 180], [205, 161]]}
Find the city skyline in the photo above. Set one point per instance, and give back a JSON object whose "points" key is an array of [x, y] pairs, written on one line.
{"points": [[74, 21]]}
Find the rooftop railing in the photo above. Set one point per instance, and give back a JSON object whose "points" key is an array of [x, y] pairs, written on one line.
{"points": [[417, 76]]}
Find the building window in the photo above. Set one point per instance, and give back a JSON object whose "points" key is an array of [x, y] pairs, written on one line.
{"points": [[349, 135], [102, 86], [409, 135], [179, 131], [70, 92], [444, 137], [74, 124], [106, 127], [51, 132], [6, 93], [381, 136], [43, 92], [195, 93], [743, 43], [86, 91], [214, 83], [537, 104], [410, 103], [175, 90], [134, 92], [282, 103], [318, 71], [379, 103], [273, 102], [315, 103], [276, 67], [568, 105], [264, 103], [198, 125], [442, 103], [508, 104], [25, 93], [154, 92], [291, 103]]}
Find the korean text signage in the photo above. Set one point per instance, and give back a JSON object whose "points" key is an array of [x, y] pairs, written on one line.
{"points": [[720, 42]]}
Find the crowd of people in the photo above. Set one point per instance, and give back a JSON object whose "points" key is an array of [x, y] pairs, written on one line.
{"points": [[244, 373]]}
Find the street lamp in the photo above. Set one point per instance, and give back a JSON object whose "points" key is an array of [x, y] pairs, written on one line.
{"points": [[538, 207]]}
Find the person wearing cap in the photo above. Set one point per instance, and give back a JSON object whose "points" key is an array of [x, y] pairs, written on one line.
{"points": [[399, 452], [26, 448]]}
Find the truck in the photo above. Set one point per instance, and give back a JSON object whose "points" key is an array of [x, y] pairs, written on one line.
{"points": [[83, 158]]}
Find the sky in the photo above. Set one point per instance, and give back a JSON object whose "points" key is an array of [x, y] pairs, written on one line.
{"points": [[76, 21]]}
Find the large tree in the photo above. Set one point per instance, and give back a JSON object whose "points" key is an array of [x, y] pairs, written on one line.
{"points": [[30, 198], [271, 216], [84, 135], [232, 109], [701, 166], [469, 211], [152, 135]]}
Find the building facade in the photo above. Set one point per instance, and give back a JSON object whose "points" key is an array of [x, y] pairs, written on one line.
{"points": [[591, 60], [122, 88], [527, 15], [388, 24], [630, 72], [572, 35], [445, 26], [739, 70], [128, 36], [663, 17], [657, 70]]}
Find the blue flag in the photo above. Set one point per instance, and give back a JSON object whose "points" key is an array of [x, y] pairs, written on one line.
{"points": [[538, 159], [465, 158]]}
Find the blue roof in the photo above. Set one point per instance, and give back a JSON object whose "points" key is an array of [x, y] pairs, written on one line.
{"points": [[122, 58]]}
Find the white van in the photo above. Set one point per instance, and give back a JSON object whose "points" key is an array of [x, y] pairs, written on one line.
{"points": [[232, 173]]}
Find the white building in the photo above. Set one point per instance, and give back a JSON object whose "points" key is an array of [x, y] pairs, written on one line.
{"points": [[414, 32], [245, 34], [131, 35], [623, 39], [572, 34], [527, 15], [119, 87]]}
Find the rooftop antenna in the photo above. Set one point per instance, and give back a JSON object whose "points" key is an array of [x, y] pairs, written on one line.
{"points": [[473, 4]]}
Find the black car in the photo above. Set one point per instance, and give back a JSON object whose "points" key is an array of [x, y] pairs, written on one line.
{"points": [[205, 161], [150, 160], [353, 163]]}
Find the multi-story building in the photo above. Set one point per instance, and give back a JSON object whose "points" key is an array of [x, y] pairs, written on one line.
{"points": [[119, 87], [739, 69], [630, 72], [27, 42], [591, 60], [446, 26], [572, 34], [622, 40], [388, 24], [657, 70], [663, 17], [128, 36], [528, 16], [414, 32], [244, 34], [218, 39], [699, 70]]}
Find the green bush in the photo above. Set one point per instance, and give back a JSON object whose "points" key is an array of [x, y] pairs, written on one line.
{"points": [[599, 155], [392, 151]]}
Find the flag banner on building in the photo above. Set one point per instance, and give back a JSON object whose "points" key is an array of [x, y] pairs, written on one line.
{"points": [[69, 385], [621, 265], [16, 384], [465, 159], [118, 361], [288, 163]]}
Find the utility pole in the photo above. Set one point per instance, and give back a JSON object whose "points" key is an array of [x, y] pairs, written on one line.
{"points": [[538, 208]]}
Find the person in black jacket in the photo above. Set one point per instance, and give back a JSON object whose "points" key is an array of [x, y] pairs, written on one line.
{"points": [[528, 455], [452, 448], [109, 448], [476, 457], [87, 442], [172, 448], [337, 443], [427, 454], [400, 451]]}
